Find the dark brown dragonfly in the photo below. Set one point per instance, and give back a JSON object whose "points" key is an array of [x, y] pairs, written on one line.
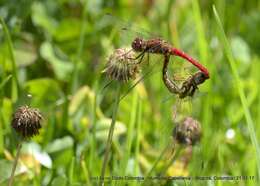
{"points": [[188, 87]]}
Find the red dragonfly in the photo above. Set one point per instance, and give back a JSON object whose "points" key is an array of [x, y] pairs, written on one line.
{"points": [[159, 46]]}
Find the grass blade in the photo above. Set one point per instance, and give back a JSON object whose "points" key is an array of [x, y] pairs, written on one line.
{"points": [[15, 83], [130, 133], [5, 81], [110, 136], [231, 60]]}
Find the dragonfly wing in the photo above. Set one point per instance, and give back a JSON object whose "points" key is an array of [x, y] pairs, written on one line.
{"points": [[148, 69], [125, 28]]}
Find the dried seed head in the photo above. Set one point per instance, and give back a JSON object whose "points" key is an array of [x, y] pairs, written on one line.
{"points": [[121, 65], [187, 132], [26, 121]]}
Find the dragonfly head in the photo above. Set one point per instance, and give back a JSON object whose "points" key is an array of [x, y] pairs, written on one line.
{"points": [[138, 44], [199, 77]]}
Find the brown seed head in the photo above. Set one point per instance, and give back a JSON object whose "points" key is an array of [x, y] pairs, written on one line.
{"points": [[187, 132], [121, 65], [26, 121]]}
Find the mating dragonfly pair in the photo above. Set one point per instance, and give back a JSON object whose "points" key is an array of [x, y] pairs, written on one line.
{"points": [[124, 65], [159, 46]]}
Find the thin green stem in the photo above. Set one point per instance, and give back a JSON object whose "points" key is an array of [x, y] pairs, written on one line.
{"points": [[85, 171], [19, 146], [110, 135], [130, 133], [138, 135], [74, 80], [5, 81], [156, 163], [173, 158], [71, 171], [93, 139]]}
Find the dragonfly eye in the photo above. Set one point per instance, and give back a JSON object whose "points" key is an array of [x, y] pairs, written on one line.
{"points": [[137, 44]]}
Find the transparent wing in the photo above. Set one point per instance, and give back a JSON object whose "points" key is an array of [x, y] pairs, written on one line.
{"points": [[127, 30], [149, 69]]}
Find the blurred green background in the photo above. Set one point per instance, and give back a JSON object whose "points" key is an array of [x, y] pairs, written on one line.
{"points": [[55, 51]]}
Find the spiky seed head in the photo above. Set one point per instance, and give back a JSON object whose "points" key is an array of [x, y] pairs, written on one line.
{"points": [[187, 132], [121, 65], [27, 121]]}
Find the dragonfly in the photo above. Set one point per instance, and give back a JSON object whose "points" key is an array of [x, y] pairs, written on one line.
{"points": [[188, 87], [160, 46], [156, 45]]}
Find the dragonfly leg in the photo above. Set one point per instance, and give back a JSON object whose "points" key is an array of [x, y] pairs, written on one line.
{"points": [[141, 59], [148, 56], [188, 88], [185, 88], [141, 56], [194, 87]]}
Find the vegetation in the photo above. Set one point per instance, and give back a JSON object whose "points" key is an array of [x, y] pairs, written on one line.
{"points": [[52, 54]]}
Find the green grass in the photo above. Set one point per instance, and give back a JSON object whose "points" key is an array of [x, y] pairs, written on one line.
{"points": [[243, 99], [55, 51], [15, 83]]}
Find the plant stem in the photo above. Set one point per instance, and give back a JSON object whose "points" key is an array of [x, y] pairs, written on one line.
{"points": [[138, 136], [170, 162], [85, 171], [19, 146], [173, 158], [110, 136], [156, 163]]}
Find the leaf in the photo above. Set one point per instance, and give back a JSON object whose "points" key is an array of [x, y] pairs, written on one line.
{"points": [[61, 181], [60, 144], [61, 67], [79, 98], [67, 29], [103, 126], [240, 50], [6, 167], [83, 97], [36, 152], [41, 18], [6, 110], [24, 53], [44, 91]]}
